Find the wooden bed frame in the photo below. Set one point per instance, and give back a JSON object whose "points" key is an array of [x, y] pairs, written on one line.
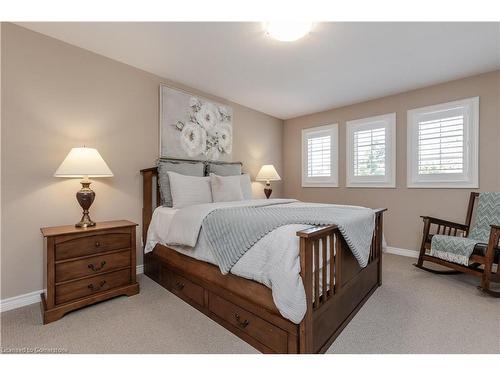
{"points": [[246, 307]]}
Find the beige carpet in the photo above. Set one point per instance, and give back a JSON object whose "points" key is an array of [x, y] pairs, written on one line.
{"points": [[413, 312]]}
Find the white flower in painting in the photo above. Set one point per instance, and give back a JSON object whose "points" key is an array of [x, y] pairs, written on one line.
{"points": [[225, 137], [224, 114], [212, 153], [193, 139], [207, 116], [194, 103]]}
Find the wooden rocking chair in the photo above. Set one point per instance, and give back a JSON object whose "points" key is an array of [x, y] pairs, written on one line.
{"points": [[484, 256]]}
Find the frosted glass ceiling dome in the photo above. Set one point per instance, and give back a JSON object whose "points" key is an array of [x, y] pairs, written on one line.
{"points": [[287, 31]]}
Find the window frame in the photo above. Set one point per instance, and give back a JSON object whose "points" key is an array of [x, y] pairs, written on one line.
{"points": [[389, 179], [333, 179], [470, 177]]}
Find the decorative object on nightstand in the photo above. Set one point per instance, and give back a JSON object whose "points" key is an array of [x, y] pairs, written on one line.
{"points": [[84, 162], [268, 173], [87, 265]]}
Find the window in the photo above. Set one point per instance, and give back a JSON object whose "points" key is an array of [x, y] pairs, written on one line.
{"points": [[371, 151], [320, 156], [443, 145]]}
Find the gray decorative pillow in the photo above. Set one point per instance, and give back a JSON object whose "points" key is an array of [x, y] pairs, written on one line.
{"points": [[226, 189], [189, 190], [229, 169], [181, 167]]}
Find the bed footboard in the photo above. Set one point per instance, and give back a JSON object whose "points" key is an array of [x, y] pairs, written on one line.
{"points": [[336, 287]]}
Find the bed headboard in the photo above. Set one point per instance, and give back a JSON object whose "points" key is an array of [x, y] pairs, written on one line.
{"points": [[151, 189]]}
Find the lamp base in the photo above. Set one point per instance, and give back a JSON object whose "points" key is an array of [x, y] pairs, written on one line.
{"points": [[85, 196], [268, 190], [85, 222]]}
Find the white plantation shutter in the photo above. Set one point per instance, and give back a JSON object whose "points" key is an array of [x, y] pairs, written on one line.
{"points": [[443, 145], [319, 156], [371, 151]]}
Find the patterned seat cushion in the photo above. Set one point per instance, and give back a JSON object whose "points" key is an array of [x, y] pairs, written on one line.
{"points": [[479, 249]]}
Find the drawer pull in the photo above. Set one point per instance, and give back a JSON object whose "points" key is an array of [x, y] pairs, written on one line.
{"points": [[97, 268], [242, 324], [96, 288], [97, 244], [179, 285]]}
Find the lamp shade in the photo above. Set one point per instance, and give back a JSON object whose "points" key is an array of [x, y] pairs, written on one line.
{"points": [[267, 173], [83, 161]]}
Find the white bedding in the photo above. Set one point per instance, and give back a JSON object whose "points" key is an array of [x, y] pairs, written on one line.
{"points": [[273, 260]]}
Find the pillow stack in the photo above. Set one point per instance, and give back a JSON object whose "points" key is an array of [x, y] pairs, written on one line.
{"points": [[184, 183]]}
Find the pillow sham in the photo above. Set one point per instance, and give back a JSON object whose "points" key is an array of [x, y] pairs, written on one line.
{"points": [[229, 169], [189, 190], [226, 188], [185, 168], [246, 186]]}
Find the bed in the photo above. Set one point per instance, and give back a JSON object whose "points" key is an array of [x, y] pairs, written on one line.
{"points": [[334, 284]]}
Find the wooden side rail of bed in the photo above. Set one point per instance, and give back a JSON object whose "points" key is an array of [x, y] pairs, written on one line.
{"points": [[334, 293]]}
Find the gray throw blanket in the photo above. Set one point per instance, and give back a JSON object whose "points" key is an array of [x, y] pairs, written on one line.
{"points": [[232, 231]]}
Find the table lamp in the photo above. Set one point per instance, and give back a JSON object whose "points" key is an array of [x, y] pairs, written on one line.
{"points": [[268, 173], [84, 162]]}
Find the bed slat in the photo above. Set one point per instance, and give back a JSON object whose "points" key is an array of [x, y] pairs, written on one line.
{"points": [[316, 273], [324, 269]]}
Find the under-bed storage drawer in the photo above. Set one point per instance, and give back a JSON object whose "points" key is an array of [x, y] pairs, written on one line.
{"points": [[261, 330], [183, 287]]}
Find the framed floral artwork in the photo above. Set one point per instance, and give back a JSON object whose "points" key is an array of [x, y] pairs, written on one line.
{"points": [[192, 127]]}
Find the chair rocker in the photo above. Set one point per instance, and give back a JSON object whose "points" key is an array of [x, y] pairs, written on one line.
{"points": [[486, 253]]}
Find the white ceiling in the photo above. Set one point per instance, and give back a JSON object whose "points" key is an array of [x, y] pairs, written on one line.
{"points": [[335, 65]]}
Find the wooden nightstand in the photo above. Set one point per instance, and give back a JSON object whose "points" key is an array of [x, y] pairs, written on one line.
{"points": [[87, 265]]}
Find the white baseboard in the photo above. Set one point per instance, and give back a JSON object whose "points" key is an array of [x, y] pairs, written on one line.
{"points": [[34, 297], [402, 252], [20, 301], [139, 269]]}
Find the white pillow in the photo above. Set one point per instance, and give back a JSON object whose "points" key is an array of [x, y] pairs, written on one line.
{"points": [[226, 189], [189, 190], [246, 186]]}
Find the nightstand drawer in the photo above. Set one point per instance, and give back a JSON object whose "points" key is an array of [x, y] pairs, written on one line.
{"points": [[81, 288], [92, 265], [93, 244]]}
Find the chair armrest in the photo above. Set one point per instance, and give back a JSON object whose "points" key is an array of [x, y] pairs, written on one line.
{"points": [[433, 220]]}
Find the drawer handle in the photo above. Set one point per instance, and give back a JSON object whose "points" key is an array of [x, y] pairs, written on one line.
{"points": [[96, 288], [97, 244], [243, 324], [97, 268], [179, 285]]}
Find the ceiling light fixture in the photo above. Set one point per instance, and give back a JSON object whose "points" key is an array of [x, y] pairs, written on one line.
{"points": [[287, 31]]}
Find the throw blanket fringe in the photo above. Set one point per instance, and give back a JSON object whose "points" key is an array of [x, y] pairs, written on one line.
{"points": [[453, 249]]}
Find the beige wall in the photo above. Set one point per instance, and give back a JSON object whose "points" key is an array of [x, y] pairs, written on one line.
{"points": [[56, 96], [403, 226]]}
